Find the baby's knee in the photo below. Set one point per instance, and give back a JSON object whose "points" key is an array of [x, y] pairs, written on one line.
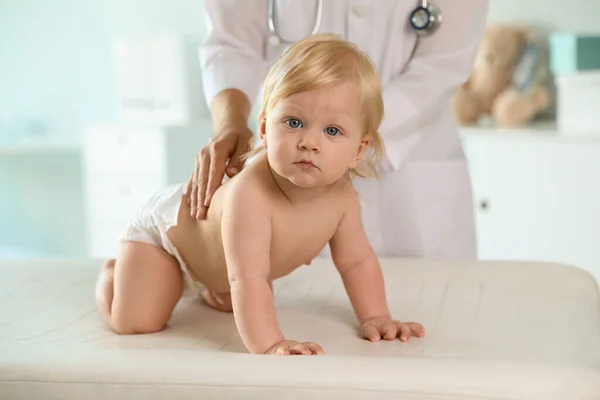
{"points": [[124, 324]]}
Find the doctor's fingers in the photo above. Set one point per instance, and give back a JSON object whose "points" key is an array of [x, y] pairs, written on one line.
{"points": [[216, 170], [243, 145], [199, 182]]}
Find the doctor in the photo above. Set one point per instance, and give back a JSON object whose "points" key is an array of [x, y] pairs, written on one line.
{"points": [[422, 204]]}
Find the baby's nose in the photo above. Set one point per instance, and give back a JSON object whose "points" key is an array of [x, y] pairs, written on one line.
{"points": [[310, 140]]}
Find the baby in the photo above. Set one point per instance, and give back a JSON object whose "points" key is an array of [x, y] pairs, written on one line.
{"points": [[321, 109]]}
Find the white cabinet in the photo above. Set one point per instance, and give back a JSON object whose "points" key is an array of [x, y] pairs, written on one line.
{"points": [[123, 165], [537, 195]]}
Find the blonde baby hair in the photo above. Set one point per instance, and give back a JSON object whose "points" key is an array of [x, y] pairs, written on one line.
{"points": [[324, 61]]}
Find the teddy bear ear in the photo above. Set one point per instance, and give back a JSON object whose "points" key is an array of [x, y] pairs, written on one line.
{"points": [[526, 33]]}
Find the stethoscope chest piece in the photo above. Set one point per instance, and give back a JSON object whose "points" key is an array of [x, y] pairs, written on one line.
{"points": [[274, 40], [426, 18]]}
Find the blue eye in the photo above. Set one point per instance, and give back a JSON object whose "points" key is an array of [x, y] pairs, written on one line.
{"points": [[332, 131], [293, 123]]}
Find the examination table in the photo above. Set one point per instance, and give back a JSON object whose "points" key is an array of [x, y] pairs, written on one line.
{"points": [[495, 330]]}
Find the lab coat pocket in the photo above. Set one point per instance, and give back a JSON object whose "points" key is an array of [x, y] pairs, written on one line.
{"points": [[442, 200]]}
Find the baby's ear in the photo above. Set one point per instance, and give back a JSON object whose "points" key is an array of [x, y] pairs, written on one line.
{"points": [[364, 144], [362, 147], [262, 129]]}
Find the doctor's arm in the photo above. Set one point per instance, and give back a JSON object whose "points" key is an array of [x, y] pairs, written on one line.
{"points": [[361, 274], [233, 66], [440, 64]]}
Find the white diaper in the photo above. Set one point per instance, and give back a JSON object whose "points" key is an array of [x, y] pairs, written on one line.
{"points": [[151, 221]]}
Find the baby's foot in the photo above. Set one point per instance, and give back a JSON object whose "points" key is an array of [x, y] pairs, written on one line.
{"points": [[109, 264], [218, 301]]}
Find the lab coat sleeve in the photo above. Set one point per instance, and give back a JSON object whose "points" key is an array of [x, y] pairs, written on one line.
{"points": [[233, 54], [439, 65]]}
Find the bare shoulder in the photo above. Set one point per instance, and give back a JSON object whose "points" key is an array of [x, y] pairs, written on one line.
{"points": [[347, 197], [248, 190]]}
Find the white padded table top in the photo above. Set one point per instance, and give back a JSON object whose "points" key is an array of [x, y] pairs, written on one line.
{"points": [[495, 330]]}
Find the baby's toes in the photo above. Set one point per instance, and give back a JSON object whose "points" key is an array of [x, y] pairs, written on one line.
{"points": [[109, 263]]}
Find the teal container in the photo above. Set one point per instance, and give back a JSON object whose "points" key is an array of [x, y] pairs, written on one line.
{"points": [[571, 52]]}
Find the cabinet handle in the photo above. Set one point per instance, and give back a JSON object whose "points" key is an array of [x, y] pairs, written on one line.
{"points": [[484, 205]]}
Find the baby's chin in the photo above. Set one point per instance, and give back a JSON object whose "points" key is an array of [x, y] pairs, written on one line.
{"points": [[309, 181]]}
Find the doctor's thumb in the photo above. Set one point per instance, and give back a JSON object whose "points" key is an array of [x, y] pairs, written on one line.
{"points": [[236, 163]]}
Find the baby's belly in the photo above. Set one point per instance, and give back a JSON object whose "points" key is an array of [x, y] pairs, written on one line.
{"points": [[285, 259], [206, 262], [200, 246], [205, 258]]}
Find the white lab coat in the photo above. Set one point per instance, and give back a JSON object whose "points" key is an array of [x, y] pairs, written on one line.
{"points": [[422, 205]]}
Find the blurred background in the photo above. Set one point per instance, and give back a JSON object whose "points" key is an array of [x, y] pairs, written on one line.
{"points": [[101, 104]]}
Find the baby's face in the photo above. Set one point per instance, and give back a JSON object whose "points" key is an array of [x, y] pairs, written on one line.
{"points": [[313, 138]]}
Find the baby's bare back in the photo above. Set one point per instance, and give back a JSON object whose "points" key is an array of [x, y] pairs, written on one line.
{"points": [[298, 232]]}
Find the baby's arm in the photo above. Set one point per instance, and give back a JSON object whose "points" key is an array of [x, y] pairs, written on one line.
{"points": [[359, 268], [246, 231], [357, 264]]}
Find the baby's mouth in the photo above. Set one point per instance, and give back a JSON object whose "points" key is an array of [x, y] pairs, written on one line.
{"points": [[305, 164]]}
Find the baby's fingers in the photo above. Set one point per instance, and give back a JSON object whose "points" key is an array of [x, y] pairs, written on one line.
{"points": [[389, 331], [405, 332], [282, 351], [409, 329], [416, 329], [315, 348], [370, 332], [300, 349]]}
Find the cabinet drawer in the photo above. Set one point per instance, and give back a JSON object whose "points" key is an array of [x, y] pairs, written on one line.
{"points": [[117, 149]]}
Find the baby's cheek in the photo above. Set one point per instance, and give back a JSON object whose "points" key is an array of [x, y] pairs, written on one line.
{"points": [[342, 162], [275, 154], [280, 159]]}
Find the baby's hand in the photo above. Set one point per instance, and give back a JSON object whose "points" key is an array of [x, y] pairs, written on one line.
{"points": [[388, 329], [291, 347]]}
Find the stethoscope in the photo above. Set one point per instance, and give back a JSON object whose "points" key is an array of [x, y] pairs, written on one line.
{"points": [[425, 19], [275, 39]]}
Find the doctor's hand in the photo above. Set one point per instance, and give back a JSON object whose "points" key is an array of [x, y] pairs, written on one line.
{"points": [[220, 156], [388, 329]]}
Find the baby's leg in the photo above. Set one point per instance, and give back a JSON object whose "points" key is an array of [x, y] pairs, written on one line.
{"points": [[137, 292]]}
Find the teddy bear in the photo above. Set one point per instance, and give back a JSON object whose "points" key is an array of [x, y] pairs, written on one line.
{"points": [[509, 81]]}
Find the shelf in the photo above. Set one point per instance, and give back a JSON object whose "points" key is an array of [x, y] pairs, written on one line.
{"points": [[40, 146], [543, 129]]}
